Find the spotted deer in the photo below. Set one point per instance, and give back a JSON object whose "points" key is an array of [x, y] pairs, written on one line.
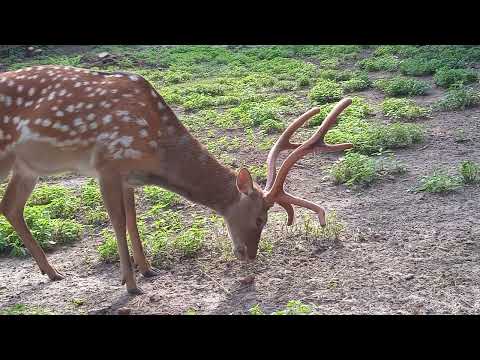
{"points": [[117, 128]]}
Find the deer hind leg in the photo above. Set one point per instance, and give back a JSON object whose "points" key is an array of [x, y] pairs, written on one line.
{"points": [[112, 192], [137, 248], [12, 205]]}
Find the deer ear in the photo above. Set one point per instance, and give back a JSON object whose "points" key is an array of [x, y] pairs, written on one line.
{"points": [[244, 182]]}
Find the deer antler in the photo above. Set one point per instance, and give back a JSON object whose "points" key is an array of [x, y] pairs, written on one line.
{"points": [[274, 191]]}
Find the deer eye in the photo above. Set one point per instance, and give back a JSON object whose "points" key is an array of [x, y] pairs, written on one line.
{"points": [[259, 222]]}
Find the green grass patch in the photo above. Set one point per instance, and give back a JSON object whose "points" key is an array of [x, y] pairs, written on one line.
{"points": [[402, 86], [160, 197], [458, 99], [369, 138], [361, 170], [469, 172], [403, 109], [379, 63], [439, 182], [22, 309], [293, 307], [354, 169], [325, 91], [446, 77], [357, 83], [50, 214]]}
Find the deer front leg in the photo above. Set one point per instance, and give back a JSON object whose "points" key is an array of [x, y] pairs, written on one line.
{"points": [[137, 248], [13, 203], [112, 192]]}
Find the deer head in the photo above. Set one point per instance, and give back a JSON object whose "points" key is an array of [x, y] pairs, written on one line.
{"points": [[247, 216]]}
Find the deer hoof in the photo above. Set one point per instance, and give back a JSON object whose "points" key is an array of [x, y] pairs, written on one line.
{"points": [[54, 275], [152, 272], [135, 291]]}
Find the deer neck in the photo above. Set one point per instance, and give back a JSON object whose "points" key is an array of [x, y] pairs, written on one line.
{"points": [[188, 169]]}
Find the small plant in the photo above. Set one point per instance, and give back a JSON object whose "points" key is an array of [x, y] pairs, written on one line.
{"points": [[354, 169], [417, 67], [160, 197], [22, 309], [402, 86], [446, 77], [96, 217], [63, 208], [325, 91], [90, 195], [191, 311], [439, 182], [379, 63], [256, 310], [357, 83], [403, 109], [295, 307], [459, 99], [461, 136], [259, 173], [336, 75], [331, 231], [45, 194], [271, 126], [470, 172], [388, 165], [108, 248], [189, 242], [77, 302]]}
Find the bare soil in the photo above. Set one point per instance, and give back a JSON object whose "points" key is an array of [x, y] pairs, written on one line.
{"points": [[401, 252]]}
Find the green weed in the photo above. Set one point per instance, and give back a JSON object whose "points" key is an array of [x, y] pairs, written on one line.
{"points": [[401, 86], [458, 99], [470, 172], [325, 91], [403, 109], [439, 182]]}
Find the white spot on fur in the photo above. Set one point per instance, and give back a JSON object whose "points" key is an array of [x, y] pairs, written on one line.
{"points": [[132, 154], [77, 122], [107, 119], [153, 144], [31, 91]]}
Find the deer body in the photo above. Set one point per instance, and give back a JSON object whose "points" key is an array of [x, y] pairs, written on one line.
{"points": [[117, 128]]}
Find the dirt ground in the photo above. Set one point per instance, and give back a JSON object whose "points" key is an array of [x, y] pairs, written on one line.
{"points": [[401, 252]]}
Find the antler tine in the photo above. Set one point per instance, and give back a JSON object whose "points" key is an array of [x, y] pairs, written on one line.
{"points": [[329, 121], [315, 143], [283, 143]]}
